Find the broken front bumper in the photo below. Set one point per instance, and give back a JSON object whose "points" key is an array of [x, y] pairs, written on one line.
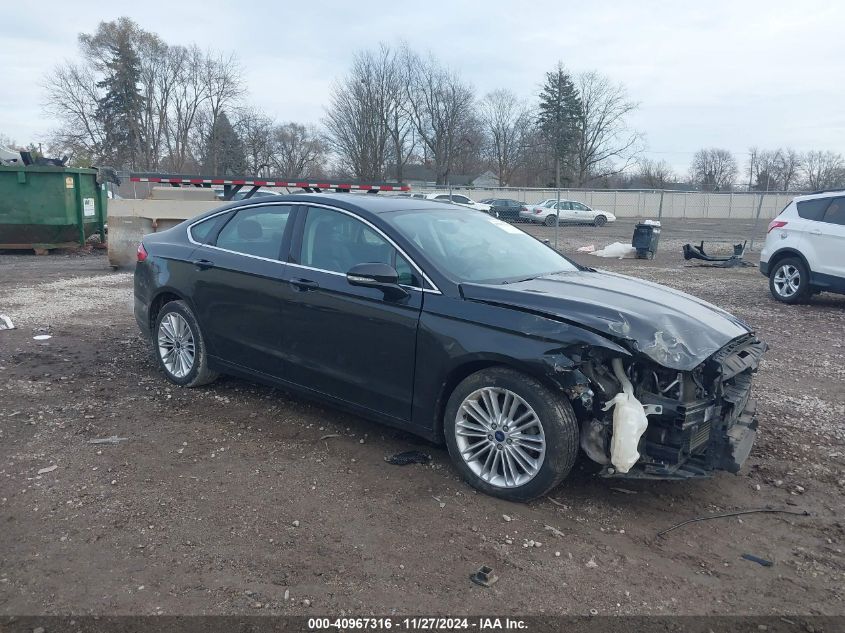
{"points": [[694, 436]]}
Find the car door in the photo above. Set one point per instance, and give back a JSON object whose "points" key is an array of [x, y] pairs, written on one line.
{"points": [[581, 213], [346, 341], [565, 208], [828, 237], [238, 278]]}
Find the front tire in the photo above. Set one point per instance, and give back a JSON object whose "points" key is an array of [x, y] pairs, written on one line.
{"points": [[600, 220], [179, 346], [508, 435], [789, 281]]}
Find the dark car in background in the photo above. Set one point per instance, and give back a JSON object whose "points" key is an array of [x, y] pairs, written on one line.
{"points": [[505, 208], [455, 326]]}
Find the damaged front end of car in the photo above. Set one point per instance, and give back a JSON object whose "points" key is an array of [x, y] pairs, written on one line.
{"points": [[694, 422]]}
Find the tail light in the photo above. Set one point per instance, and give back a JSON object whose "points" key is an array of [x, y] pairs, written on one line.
{"points": [[142, 252], [537, 211], [776, 224]]}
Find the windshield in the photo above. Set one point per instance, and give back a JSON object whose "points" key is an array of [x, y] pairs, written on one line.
{"points": [[469, 246]]}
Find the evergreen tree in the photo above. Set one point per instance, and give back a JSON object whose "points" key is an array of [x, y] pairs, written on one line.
{"points": [[119, 109], [224, 151], [558, 118]]}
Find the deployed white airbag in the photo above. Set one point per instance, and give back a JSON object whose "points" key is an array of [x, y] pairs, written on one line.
{"points": [[629, 422]]}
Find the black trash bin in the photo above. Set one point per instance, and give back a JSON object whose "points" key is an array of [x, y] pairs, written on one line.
{"points": [[646, 237]]}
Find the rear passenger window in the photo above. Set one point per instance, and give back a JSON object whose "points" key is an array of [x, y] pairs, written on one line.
{"points": [[201, 231], [256, 231], [813, 209], [835, 213]]}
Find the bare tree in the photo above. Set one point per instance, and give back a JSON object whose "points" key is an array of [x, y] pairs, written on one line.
{"points": [[606, 145], [356, 118], [439, 103], [823, 170], [189, 93], [298, 151], [255, 130], [219, 76], [654, 174], [507, 123], [174, 86], [713, 169], [71, 97], [789, 167]]}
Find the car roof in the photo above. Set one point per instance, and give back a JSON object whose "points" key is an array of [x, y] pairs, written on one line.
{"points": [[363, 203], [833, 193]]}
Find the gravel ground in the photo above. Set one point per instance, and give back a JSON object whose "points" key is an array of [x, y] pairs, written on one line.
{"points": [[237, 498]]}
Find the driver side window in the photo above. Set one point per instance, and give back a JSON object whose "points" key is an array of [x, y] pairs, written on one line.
{"points": [[335, 242]]}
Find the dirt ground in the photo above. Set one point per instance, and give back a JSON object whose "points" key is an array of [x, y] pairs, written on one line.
{"points": [[237, 498]]}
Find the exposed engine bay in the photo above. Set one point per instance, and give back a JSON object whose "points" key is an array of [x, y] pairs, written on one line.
{"points": [[698, 421]]}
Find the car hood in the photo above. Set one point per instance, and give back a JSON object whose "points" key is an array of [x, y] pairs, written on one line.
{"points": [[672, 328]]}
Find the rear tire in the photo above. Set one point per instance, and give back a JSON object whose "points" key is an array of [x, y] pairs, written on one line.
{"points": [[789, 281], [550, 220], [179, 346], [539, 447]]}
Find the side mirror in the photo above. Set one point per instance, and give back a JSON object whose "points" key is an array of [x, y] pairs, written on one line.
{"points": [[380, 276]]}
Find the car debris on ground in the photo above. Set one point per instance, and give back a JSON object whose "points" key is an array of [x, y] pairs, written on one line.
{"points": [[734, 514], [6, 323], [112, 439], [484, 576], [408, 457], [732, 261], [756, 559]]}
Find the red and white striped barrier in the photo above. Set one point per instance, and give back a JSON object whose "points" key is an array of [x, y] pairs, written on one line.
{"points": [[252, 182]]}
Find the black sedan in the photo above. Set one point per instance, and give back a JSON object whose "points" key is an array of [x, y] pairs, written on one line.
{"points": [[458, 327], [505, 208]]}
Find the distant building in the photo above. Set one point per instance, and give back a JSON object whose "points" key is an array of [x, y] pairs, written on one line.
{"points": [[420, 176]]}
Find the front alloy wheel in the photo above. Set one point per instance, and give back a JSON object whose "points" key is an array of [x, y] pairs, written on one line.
{"points": [[500, 437], [789, 281], [509, 435]]}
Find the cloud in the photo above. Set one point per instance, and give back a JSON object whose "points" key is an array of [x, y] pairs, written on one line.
{"points": [[721, 73]]}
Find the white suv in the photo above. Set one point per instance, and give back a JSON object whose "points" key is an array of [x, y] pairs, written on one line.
{"points": [[805, 248]]}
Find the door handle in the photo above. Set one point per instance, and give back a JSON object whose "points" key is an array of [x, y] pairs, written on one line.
{"points": [[203, 264], [304, 284]]}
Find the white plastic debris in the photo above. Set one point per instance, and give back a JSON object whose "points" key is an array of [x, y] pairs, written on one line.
{"points": [[6, 323], [629, 422], [617, 250], [652, 222], [591, 248], [41, 337], [49, 469]]}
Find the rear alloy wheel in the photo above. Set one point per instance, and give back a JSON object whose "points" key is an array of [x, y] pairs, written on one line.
{"points": [[179, 346], [550, 220], [600, 220], [510, 436], [789, 281]]}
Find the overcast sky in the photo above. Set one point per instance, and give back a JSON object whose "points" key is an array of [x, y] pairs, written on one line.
{"points": [[706, 73]]}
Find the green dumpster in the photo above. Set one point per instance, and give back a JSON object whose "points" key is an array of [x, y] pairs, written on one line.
{"points": [[49, 207]]}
